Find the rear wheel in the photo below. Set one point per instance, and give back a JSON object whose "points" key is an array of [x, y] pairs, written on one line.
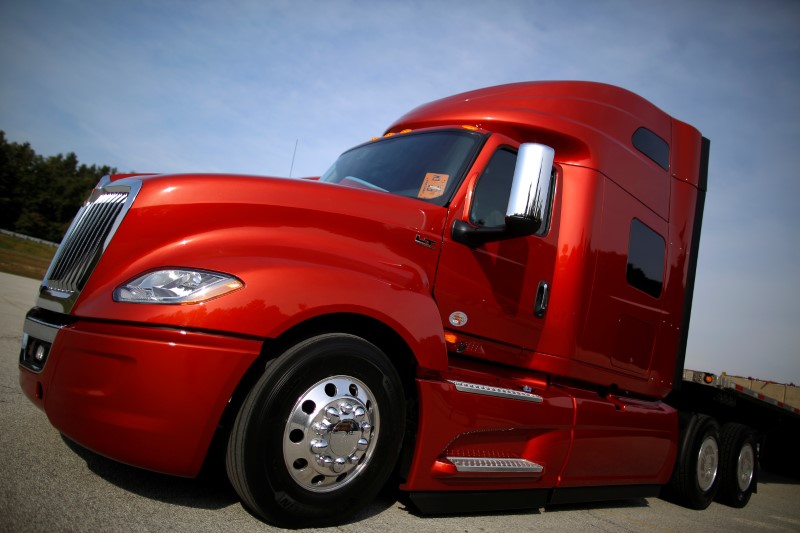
{"points": [[737, 465], [694, 482], [319, 434]]}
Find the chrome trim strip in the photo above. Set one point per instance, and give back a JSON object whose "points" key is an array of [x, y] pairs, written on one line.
{"points": [[498, 392], [495, 464], [41, 330]]}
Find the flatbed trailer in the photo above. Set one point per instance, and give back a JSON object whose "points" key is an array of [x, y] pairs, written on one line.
{"points": [[776, 422]]}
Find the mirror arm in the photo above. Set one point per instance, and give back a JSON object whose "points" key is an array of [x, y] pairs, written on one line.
{"points": [[473, 236], [521, 226]]}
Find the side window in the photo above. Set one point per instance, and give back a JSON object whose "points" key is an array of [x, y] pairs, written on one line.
{"points": [[646, 253], [490, 200], [652, 146]]}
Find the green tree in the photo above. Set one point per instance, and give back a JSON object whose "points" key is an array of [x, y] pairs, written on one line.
{"points": [[40, 195], [18, 163]]}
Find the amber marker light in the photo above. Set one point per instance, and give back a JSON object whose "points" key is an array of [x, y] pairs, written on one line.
{"points": [[708, 378]]}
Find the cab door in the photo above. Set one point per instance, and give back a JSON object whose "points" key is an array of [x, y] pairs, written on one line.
{"points": [[496, 291]]}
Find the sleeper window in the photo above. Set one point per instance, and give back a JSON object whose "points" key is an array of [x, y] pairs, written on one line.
{"points": [[646, 254]]}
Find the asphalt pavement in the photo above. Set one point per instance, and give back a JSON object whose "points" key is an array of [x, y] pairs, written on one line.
{"points": [[50, 484]]}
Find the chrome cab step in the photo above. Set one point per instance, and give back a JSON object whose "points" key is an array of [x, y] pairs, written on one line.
{"points": [[498, 392], [491, 465]]}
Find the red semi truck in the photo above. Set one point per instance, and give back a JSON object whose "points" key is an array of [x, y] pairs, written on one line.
{"points": [[489, 305]]}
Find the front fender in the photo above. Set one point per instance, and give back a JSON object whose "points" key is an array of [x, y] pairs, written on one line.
{"points": [[284, 294], [297, 263], [412, 314]]}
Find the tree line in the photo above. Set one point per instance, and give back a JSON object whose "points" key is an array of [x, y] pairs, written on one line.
{"points": [[40, 195]]}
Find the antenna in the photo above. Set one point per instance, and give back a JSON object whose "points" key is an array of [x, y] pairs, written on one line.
{"points": [[293, 154]]}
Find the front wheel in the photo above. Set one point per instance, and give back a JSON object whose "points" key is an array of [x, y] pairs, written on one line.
{"points": [[319, 434]]}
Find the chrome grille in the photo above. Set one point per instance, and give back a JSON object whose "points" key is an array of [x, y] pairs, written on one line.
{"points": [[83, 244]]}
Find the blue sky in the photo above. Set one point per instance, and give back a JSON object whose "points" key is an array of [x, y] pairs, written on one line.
{"points": [[164, 86]]}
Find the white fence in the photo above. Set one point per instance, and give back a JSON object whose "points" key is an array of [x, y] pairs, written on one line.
{"points": [[27, 237]]}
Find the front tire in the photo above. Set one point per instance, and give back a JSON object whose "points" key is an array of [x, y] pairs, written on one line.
{"points": [[319, 434], [737, 465]]}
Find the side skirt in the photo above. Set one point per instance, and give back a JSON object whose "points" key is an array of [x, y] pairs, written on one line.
{"points": [[602, 494], [469, 502]]}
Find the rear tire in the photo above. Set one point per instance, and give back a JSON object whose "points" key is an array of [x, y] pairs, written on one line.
{"points": [[738, 464], [319, 434], [695, 482]]}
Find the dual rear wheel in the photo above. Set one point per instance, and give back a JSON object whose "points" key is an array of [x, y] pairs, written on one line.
{"points": [[714, 463], [738, 475]]}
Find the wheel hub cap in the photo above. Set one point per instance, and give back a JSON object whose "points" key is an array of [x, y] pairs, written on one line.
{"points": [[331, 433], [707, 462], [745, 467]]}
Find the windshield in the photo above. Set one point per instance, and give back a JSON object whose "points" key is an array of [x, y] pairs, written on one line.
{"points": [[427, 165]]}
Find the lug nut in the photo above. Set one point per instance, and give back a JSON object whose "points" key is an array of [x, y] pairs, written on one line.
{"points": [[317, 445], [338, 465], [333, 414], [322, 427]]}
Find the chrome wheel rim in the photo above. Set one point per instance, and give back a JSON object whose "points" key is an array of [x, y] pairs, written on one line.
{"points": [[707, 461], [745, 467], [331, 434]]}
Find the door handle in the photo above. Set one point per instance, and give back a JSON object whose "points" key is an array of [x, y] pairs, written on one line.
{"points": [[542, 299]]}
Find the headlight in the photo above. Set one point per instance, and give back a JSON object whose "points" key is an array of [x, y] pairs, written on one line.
{"points": [[176, 286]]}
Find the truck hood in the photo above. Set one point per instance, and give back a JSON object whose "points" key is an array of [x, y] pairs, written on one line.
{"points": [[254, 227]]}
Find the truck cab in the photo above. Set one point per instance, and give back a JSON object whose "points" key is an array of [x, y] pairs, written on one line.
{"points": [[490, 301], [613, 250]]}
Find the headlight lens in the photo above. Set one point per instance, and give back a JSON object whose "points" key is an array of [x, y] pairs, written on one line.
{"points": [[176, 286]]}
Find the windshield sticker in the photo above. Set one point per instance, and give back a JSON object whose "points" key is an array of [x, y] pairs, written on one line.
{"points": [[433, 186]]}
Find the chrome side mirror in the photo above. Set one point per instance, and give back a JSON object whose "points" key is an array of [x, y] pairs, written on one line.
{"points": [[527, 202], [530, 190]]}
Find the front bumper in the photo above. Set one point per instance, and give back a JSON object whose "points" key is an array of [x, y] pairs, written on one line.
{"points": [[147, 396]]}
